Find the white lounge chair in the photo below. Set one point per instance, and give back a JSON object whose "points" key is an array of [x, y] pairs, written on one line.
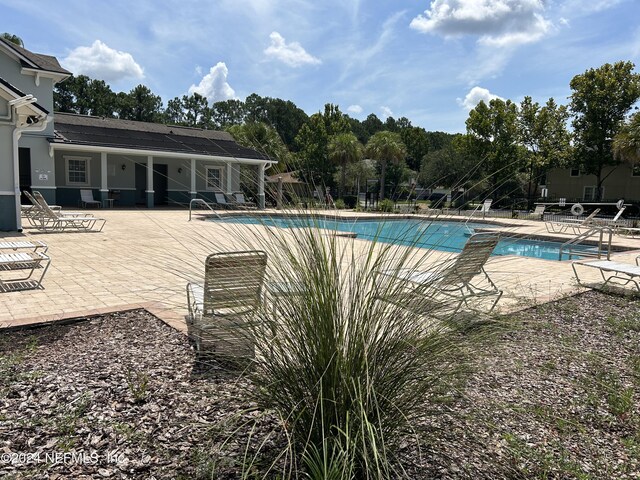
{"points": [[538, 212], [456, 280], [563, 225], [486, 206], [32, 245], [18, 268], [86, 199], [621, 274], [219, 309], [50, 221]]}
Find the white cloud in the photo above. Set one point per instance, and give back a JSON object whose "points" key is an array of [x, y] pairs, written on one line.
{"points": [[356, 109], [496, 22], [102, 62], [386, 112], [475, 95], [290, 53], [214, 84]]}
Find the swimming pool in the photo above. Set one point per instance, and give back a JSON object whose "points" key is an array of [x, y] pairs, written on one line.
{"points": [[439, 235]]}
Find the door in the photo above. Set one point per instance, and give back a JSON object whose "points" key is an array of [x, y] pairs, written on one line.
{"points": [[141, 184], [24, 163], [160, 184]]}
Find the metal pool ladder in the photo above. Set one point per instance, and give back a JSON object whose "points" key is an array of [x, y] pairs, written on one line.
{"points": [[603, 247], [202, 203]]}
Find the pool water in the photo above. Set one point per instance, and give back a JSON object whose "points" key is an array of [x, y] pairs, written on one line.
{"points": [[438, 235]]}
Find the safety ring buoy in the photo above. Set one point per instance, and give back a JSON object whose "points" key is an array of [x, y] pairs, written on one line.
{"points": [[577, 210], [620, 203]]}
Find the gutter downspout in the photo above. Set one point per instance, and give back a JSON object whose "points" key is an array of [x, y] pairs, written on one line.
{"points": [[17, 133]]}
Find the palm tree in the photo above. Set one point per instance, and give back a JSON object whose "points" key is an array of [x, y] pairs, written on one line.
{"points": [[12, 38], [626, 144], [344, 148], [263, 138], [384, 147]]}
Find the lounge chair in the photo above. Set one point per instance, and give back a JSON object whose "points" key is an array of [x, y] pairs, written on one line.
{"points": [[33, 210], [611, 272], [455, 281], [86, 199], [18, 263], [242, 202], [50, 221], [562, 225], [614, 222], [219, 309], [486, 206], [538, 212], [221, 199], [33, 245]]}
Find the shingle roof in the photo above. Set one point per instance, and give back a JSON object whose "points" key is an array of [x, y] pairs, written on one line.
{"points": [[36, 60], [116, 133]]}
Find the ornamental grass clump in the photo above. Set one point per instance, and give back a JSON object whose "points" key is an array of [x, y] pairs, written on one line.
{"points": [[340, 357]]}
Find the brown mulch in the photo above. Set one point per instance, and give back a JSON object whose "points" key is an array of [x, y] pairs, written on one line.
{"points": [[557, 395]]}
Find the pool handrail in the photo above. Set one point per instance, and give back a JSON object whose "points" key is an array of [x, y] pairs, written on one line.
{"points": [[203, 203]]}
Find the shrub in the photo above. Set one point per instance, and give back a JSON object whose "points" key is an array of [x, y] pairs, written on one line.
{"points": [[351, 201], [386, 205], [342, 362], [339, 204]]}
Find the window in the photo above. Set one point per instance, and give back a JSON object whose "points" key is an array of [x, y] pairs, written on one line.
{"points": [[214, 178], [635, 169], [575, 172], [77, 170], [590, 193]]}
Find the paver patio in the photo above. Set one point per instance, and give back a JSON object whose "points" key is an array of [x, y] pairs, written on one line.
{"points": [[144, 258]]}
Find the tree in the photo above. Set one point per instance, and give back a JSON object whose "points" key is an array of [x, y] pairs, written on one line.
{"points": [[139, 104], [543, 132], [600, 101], [15, 39], [451, 166], [313, 143], [84, 96], [385, 147], [283, 115], [494, 142], [417, 143], [174, 113], [344, 148], [626, 144], [263, 138], [195, 111], [372, 124], [227, 113]]}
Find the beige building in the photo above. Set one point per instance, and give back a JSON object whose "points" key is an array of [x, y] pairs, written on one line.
{"points": [[621, 182]]}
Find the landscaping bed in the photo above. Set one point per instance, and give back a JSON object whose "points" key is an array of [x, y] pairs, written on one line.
{"points": [[556, 394]]}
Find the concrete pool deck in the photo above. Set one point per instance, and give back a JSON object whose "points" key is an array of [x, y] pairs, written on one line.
{"points": [[144, 259]]}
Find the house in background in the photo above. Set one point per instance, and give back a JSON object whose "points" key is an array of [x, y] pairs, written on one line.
{"points": [[131, 163], [621, 181]]}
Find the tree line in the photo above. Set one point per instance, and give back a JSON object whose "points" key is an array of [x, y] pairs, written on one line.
{"points": [[505, 152]]}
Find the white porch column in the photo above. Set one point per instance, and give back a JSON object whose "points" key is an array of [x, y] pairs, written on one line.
{"points": [[104, 184], [149, 190], [229, 178], [193, 190], [261, 186]]}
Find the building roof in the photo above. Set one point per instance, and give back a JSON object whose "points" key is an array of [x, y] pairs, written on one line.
{"points": [[37, 61], [115, 133], [15, 92]]}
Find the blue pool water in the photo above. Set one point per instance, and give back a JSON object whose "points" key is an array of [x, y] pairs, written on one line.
{"points": [[439, 235]]}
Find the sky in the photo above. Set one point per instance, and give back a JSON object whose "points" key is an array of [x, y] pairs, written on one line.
{"points": [[429, 61]]}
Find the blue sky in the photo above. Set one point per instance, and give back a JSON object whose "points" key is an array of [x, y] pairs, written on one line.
{"points": [[429, 61]]}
